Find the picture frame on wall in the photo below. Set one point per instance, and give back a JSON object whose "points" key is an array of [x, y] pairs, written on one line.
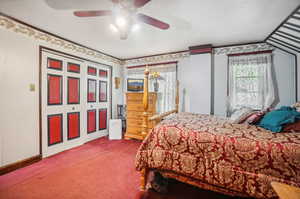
{"points": [[135, 85]]}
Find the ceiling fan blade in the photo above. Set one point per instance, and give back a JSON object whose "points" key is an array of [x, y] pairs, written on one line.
{"points": [[153, 22], [140, 3], [92, 13]]}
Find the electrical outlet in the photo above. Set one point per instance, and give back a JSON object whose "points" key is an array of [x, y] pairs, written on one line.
{"points": [[31, 87]]}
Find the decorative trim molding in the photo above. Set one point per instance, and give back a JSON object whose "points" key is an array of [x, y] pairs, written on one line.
{"points": [[170, 57], [142, 66], [250, 53], [243, 49], [40, 35], [20, 27], [19, 164], [158, 59]]}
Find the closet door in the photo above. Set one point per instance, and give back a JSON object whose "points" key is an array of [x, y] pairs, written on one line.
{"points": [[62, 103], [75, 101], [98, 100]]}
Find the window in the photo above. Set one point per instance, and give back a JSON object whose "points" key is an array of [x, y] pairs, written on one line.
{"points": [[250, 82], [166, 87]]}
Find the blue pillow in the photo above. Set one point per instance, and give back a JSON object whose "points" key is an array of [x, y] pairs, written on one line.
{"points": [[275, 120]]}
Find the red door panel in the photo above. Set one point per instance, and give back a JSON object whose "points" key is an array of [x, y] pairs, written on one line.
{"points": [[92, 71], [55, 134], [102, 91], [74, 68], [102, 119], [73, 90], [92, 85], [54, 89], [103, 73], [54, 64], [73, 125], [91, 121]]}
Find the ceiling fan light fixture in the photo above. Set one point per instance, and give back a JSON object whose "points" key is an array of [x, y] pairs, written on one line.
{"points": [[121, 22], [113, 28], [124, 17], [135, 27]]}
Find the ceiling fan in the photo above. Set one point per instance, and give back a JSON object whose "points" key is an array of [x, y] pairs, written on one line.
{"points": [[125, 17]]}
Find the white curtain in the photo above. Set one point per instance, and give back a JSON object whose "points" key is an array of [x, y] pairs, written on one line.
{"points": [[167, 84], [250, 82]]}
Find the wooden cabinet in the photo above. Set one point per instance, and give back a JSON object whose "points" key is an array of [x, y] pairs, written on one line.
{"points": [[135, 111]]}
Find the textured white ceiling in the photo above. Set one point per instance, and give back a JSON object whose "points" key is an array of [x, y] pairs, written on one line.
{"points": [[193, 22]]}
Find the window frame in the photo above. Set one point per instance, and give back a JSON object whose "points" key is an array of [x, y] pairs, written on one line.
{"points": [[229, 78]]}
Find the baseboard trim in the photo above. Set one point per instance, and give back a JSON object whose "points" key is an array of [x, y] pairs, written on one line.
{"points": [[19, 164]]}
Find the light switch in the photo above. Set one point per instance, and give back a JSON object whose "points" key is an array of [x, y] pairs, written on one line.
{"points": [[31, 87]]}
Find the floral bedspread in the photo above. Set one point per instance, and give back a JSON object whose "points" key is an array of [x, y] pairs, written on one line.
{"points": [[238, 157]]}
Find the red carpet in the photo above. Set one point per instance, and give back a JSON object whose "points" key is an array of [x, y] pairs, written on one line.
{"points": [[99, 169]]}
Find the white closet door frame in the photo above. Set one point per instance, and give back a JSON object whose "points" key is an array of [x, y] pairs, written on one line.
{"points": [[66, 108]]}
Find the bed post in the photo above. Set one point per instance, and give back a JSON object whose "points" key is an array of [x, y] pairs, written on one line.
{"points": [[144, 174], [145, 104], [177, 97]]}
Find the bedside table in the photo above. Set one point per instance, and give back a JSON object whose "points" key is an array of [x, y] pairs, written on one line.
{"points": [[285, 191]]}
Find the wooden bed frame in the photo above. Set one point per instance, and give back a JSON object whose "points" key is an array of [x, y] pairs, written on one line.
{"points": [[155, 119], [177, 176]]}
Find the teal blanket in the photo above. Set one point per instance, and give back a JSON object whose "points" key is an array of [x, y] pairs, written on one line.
{"points": [[275, 120]]}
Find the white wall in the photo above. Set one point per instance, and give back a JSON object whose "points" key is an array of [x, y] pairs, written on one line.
{"points": [[284, 70], [285, 77], [220, 84], [19, 120], [194, 74]]}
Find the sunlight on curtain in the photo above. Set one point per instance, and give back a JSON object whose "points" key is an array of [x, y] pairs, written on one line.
{"points": [[167, 85], [250, 82]]}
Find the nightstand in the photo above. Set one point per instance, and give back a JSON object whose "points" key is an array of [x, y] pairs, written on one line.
{"points": [[285, 191]]}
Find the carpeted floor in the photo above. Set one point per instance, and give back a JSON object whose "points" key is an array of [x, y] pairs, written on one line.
{"points": [[99, 169]]}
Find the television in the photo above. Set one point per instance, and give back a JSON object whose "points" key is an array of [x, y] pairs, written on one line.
{"points": [[135, 85]]}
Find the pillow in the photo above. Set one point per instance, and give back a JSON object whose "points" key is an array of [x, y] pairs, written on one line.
{"points": [[292, 127], [296, 106], [254, 117], [240, 115], [275, 120]]}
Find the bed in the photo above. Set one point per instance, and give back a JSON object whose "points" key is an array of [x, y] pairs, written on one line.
{"points": [[213, 153]]}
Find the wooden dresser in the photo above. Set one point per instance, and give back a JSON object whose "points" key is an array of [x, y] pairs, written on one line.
{"points": [[135, 111]]}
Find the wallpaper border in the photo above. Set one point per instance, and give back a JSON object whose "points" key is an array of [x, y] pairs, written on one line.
{"points": [[240, 48], [16, 26], [20, 27]]}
